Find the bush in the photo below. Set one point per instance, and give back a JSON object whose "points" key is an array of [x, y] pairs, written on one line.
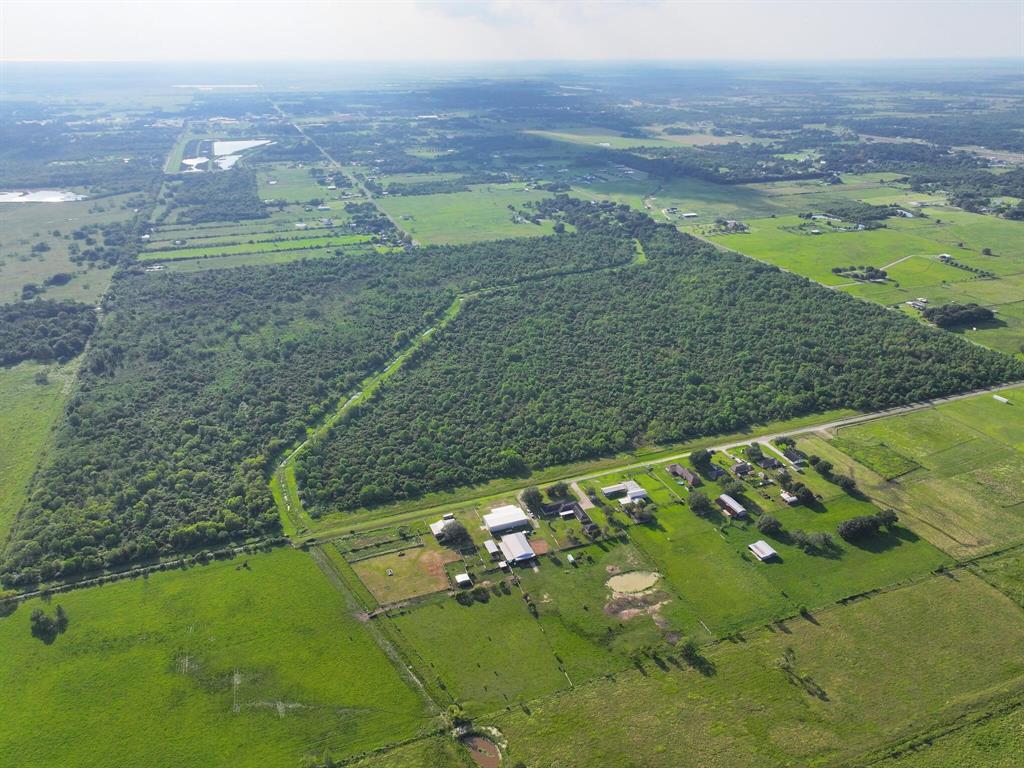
{"points": [[859, 527]]}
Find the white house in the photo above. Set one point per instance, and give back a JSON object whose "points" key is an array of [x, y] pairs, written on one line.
{"points": [[506, 518], [762, 551], [630, 489], [789, 498], [516, 548]]}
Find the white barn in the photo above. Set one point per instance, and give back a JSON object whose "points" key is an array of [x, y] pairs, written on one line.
{"points": [[762, 550], [507, 518], [516, 548]]}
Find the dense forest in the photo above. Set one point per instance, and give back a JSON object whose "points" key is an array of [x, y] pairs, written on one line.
{"points": [[216, 196], [694, 342], [196, 382], [44, 330], [958, 315]]}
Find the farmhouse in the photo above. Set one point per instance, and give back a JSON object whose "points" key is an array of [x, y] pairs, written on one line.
{"points": [[762, 550], [769, 462], [731, 507], [438, 527], [794, 456], [516, 548], [685, 474], [742, 469], [507, 518], [789, 498]]}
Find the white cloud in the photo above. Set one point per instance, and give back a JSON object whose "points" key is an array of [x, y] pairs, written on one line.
{"points": [[403, 30]]}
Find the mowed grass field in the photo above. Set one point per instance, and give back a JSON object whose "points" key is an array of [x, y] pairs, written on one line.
{"points": [[462, 217], [28, 412], [954, 472], [414, 572], [863, 676], [253, 662]]}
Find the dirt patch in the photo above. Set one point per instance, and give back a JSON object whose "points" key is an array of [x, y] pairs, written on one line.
{"points": [[484, 752], [625, 607], [612, 569], [633, 582], [540, 546], [433, 562]]}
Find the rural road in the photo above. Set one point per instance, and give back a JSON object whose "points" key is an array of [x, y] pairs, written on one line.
{"points": [[902, 409]]}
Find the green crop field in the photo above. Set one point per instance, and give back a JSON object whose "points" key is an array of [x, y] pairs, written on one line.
{"points": [[462, 217], [27, 413], [254, 661], [967, 496], [956, 644]]}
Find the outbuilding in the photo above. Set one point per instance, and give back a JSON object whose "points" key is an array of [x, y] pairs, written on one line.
{"points": [[762, 550], [789, 498], [463, 580], [516, 548], [492, 548], [507, 518], [731, 507], [438, 528]]}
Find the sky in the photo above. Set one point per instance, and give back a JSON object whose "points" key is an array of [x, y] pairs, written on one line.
{"points": [[507, 30]]}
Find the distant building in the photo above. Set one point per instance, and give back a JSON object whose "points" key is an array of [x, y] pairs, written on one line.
{"points": [[685, 474], [762, 550], [463, 580], [1000, 399], [690, 215], [742, 469], [789, 498], [731, 507], [507, 518], [516, 548]]}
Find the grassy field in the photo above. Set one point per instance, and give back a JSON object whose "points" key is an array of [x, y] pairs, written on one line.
{"points": [[245, 259], [27, 413], [462, 217], [414, 572], [996, 742], [966, 496], [486, 656], [949, 646], [908, 249], [293, 183], [257, 247], [23, 225], [254, 661], [1005, 572]]}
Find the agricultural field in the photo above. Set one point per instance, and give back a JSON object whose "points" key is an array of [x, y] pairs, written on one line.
{"points": [[800, 691], [461, 217], [411, 572], [256, 658], [954, 471], [258, 247]]}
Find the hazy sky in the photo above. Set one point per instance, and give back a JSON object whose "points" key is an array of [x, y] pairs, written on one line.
{"points": [[266, 30]]}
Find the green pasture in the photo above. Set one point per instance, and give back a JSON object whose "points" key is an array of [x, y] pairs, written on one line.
{"points": [[993, 742], [966, 497], [486, 656], [253, 661], [293, 183], [246, 259], [28, 412], [462, 217], [604, 138], [862, 677], [1005, 572]]}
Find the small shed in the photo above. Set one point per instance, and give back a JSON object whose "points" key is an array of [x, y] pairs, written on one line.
{"points": [[789, 498], [463, 580], [762, 550], [492, 548]]}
